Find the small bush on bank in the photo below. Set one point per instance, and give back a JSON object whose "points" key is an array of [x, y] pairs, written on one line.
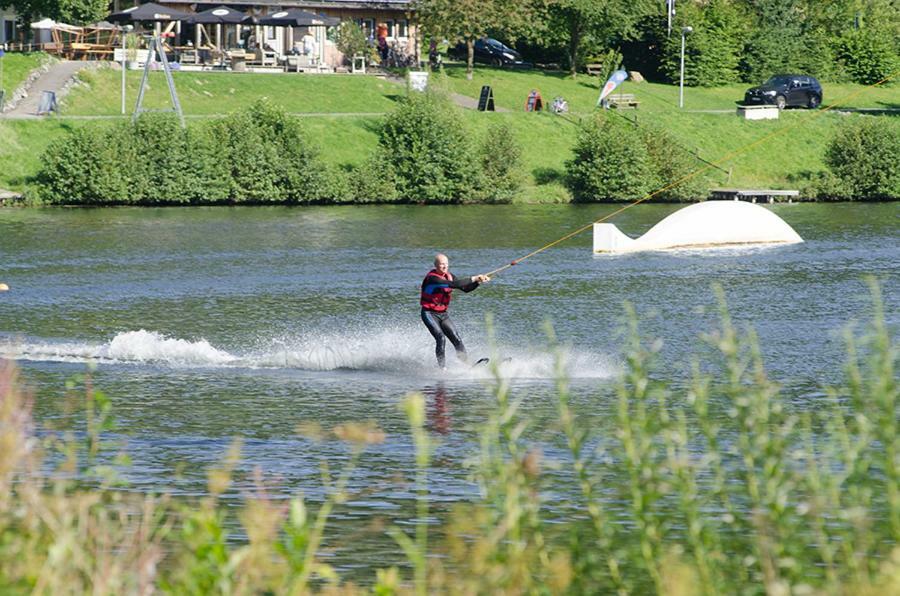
{"points": [[617, 161], [863, 157], [610, 162], [424, 145], [90, 166], [372, 182], [501, 157], [672, 163]]}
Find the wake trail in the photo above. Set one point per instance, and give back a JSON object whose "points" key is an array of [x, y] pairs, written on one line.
{"points": [[390, 350]]}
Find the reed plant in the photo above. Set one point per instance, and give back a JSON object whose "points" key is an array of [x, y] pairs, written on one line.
{"points": [[723, 486]]}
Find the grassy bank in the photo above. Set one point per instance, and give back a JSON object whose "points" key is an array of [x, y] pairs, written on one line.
{"points": [[16, 67], [342, 116], [805, 496]]}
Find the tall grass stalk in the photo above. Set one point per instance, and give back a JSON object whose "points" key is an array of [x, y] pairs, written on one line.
{"points": [[576, 438]]}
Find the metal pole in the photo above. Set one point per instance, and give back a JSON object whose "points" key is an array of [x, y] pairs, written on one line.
{"points": [[124, 51], [668, 18], [681, 84]]}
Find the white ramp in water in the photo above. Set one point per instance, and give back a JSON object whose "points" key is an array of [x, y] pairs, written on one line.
{"points": [[709, 224]]}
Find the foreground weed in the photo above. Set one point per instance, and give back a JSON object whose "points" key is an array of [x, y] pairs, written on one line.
{"points": [[723, 487]]}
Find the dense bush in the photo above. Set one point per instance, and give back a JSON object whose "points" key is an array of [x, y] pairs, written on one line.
{"points": [[863, 157], [616, 161], [610, 162], [500, 162], [373, 182], [257, 155], [90, 165], [270, 159], [673, 167], [424, 146], [868, 55]]}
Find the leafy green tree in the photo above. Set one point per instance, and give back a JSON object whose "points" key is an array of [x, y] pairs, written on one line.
{"points": [[74, 12], [581, 27], [713, 50], [776, 41], [81, 12], [351, 39], [468, 20], [867, 55]]}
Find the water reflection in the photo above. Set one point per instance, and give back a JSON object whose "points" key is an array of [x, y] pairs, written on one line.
{"points": [[439, 418]]}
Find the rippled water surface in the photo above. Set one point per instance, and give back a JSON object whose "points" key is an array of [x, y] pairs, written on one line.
{"points": [[211, 323]]}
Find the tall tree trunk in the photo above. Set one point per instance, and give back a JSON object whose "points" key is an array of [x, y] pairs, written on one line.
{"points": [[470, 60], [574, 42]]}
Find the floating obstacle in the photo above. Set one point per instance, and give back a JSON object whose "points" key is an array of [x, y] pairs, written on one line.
{"points": [[710, 224]]}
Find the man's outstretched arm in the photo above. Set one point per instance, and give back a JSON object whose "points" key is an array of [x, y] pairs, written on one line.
{"points": [[466, 284]]}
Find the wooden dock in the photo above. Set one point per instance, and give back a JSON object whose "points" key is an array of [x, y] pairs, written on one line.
{"points": [[753, 196]]}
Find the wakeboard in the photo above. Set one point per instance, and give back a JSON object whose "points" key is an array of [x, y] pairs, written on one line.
{"points": [[483, 361]]}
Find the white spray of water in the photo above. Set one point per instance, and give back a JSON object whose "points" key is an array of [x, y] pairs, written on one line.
{"points": [[393, 350]]}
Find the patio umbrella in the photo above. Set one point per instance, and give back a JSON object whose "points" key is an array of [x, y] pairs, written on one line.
{"points": [[101, 25], [221, 15], [148, 12], [297, 18]]}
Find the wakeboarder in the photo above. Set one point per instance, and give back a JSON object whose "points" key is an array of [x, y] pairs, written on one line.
{"points": [[435, 300]]}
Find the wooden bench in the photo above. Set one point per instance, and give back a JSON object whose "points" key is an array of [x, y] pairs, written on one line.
{"points": [[623, 101], [594, 69]]}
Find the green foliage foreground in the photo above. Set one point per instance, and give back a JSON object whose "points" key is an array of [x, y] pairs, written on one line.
{"points": [[725, 487]]}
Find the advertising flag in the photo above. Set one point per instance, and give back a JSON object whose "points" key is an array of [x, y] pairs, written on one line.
{"points": [[613, 82]]}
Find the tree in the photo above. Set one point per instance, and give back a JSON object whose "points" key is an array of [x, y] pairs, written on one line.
{"points": [[468, 20], [581, 26], [777, 43], [713, 50], [74, 12]]}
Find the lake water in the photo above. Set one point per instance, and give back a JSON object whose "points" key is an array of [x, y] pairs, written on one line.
{"points": [[211, 323]]}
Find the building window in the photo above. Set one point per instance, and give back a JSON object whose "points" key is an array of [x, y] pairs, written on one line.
{"points": [[270, 33], [390, 29], [368, 27], [403, 28]]}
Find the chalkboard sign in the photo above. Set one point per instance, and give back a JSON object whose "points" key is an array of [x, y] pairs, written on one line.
{"points": [[486, 101], [534, 103]]}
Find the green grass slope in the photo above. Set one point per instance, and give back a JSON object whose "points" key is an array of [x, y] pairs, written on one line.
{"points": [[206, 93], [16, 67], [758, 154]]}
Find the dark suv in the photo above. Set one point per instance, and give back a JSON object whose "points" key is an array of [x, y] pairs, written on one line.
{"points": [[786, 90]]}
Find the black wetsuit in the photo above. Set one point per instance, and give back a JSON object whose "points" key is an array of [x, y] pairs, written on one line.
{"points": [[435, 300]]}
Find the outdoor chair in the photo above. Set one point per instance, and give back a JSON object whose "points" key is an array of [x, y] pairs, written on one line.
{"points": [[265, 57]]}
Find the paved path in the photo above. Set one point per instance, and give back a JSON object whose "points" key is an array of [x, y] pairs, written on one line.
{"points": [[463, 101], [52, 80], [10, 116]]}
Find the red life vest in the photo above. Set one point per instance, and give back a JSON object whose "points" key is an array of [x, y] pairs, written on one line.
{"points": [[436, 297]]}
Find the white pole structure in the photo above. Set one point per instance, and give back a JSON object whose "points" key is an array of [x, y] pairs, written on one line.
{"points": [[125, 31], [669, 8], [684, 33]]}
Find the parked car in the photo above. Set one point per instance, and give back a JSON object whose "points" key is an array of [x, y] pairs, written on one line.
{"points": [[490, 51], [786, 90]]}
